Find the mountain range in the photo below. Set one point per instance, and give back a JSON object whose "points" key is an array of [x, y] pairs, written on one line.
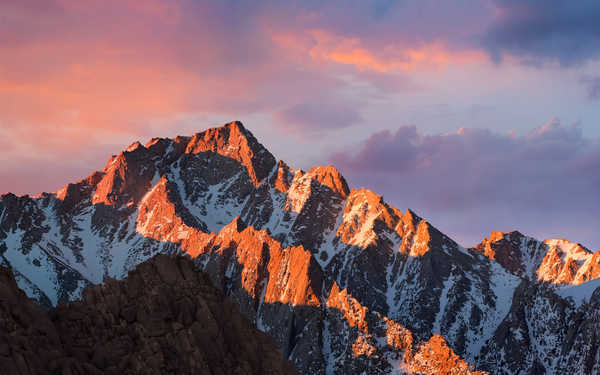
{"points": [[343, 282]]}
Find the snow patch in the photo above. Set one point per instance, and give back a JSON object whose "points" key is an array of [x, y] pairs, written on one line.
{"points": [[581, 293], [35, 267], [448, 284]]}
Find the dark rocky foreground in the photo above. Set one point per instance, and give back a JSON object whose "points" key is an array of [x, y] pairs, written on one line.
{"points": [[164, 318]]}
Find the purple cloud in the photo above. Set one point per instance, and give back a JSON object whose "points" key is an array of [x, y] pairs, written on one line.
{"points": [[544, 183], [79, 74], [566, 31], [318, 114], [592, 85]]}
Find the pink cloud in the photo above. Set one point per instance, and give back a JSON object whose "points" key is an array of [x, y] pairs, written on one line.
{"points": [[86, 77], [72, 62], [79, 76], [391, 57], [322, 112], [472, 181]]}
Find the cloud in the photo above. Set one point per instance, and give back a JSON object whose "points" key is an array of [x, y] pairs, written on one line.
{"points": [[28, 176], [370, 53], [76, 74], [318, 114], [395, 56], [472, 181], [119, 64], [539, 31], [592, 86]]}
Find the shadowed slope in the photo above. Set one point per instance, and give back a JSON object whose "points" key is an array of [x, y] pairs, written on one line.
{"points": [[165, 317]]}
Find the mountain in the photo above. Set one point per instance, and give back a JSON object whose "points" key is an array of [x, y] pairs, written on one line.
{"points": [[165, 317], [554, 261], [343, 281]]}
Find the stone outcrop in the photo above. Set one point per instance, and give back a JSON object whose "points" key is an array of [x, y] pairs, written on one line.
{"points": [[554, 261], [164, 318]]}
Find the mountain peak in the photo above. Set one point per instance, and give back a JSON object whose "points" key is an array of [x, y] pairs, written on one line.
{"points": [[410, 219], [134, 146], [566, 245], [128, 175], [498, 235], [282, 178], [233, 140], [556, 261], [330, 177], [507, 249], [237, 125]]}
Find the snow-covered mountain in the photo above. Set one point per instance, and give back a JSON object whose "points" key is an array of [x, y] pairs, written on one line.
{"points": [[344, 282], [556, 262]]}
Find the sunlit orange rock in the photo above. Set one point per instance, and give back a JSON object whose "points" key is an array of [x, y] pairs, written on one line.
{"points": [[350, 308], [433, 356], [330, 177], [126, 177], [436, 357], [362, 346], [554, 261], [234, 141], [157, 219], [73, 194], [568, 263], [294, 277], [282, 179], [421, 240], [409, 223], [591, 269], [363, 209], [398, 337]]}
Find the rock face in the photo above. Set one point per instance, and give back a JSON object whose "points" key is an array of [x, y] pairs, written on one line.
{"points": [[343, 281], [547, 332], [165, 317], [375, 344], [556, 262]]}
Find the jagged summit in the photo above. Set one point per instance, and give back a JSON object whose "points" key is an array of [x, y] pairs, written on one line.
{"points": [[330, 177], [555, 261], [235, 141], [134, 146], [127, 176], [569, 246], [343, 281]]}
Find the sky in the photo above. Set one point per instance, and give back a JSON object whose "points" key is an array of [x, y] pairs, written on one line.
{"points": [[478, 115]]}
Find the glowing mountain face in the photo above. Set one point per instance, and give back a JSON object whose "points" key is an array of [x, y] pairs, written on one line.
{"points": [[343, 281]]}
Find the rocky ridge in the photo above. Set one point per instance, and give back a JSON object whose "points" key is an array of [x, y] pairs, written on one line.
{"points": [[288, 247], [556, 262], [164, 318]]}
